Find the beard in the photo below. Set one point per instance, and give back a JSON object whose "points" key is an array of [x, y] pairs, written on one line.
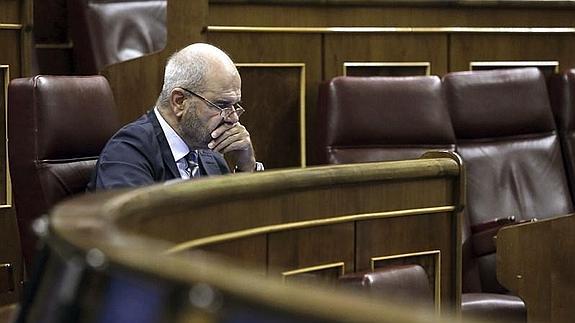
{"points": [[196, 133]]}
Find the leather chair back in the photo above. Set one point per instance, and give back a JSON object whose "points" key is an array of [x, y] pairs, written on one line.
{"points": [[105, 32], [363, 119], [57, 126], [401, 283], [562, 96], [506, 136]]}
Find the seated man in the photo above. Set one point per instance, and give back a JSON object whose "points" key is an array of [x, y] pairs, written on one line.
{"points": [[194, 122]]}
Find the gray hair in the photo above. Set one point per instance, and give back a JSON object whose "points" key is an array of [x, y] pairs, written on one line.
{"points": [[183, 70]]}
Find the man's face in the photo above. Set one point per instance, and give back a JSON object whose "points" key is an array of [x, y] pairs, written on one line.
{"points": [[200, 119], [195, 127]]}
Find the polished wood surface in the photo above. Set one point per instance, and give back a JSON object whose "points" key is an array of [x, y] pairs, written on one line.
{"points": [[292, 225], [535, 261], [274, 98]]}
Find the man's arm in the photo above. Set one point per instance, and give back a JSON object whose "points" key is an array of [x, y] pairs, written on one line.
{"points": [[126, 162]]}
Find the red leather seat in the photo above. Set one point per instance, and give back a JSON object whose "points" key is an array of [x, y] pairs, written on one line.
{"points": [[562, 96], [57, 126], [364, 119], [506, 136], [399, 283]]}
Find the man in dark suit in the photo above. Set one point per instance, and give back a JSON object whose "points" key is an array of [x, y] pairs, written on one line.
{"points": [[195, 121]]}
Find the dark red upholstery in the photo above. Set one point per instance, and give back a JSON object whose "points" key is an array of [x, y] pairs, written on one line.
{"points": [[401, 283], [506, 136], [493, 307], [562, 96], [364, 119], [57, 126], [105, 32]]}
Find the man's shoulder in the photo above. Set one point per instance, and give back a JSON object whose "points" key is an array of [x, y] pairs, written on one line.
{"points": [[139, 135], [143, 128]]}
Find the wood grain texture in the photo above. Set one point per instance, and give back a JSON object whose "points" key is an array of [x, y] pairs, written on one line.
{"points": [[10, 254], [272, 96], [466, 48], [249, 48], [15, 61], [341, 48], [535, 261], [297, 219]]}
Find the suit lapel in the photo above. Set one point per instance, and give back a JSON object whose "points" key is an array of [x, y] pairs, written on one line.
{"points": [[164, 146]]}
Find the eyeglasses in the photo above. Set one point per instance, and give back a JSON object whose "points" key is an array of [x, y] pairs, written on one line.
{"points": [[224, 112]]}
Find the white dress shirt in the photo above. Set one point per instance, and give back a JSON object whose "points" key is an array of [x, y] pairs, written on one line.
{"points": [[177, 146]]}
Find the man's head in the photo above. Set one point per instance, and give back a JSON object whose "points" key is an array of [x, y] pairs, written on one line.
{"points": [[195, 77]]}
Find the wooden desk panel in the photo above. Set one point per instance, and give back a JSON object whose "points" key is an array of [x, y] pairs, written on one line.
{"points": [[466, 48], [535, 261], [384, 47]]}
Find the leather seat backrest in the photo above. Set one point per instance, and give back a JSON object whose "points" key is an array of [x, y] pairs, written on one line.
{"points": [[105, 32], [363, 119], [57, 126], [562, 96], [403, 283], [506, 135]]}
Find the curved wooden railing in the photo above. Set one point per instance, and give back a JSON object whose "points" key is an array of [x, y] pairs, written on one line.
{"points": [[160, 243]]}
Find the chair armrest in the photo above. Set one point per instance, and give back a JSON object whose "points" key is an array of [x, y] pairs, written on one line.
{"points": [[484, 234]]}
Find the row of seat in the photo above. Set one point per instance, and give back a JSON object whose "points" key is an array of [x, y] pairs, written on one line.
{"points": [[501, 122]]}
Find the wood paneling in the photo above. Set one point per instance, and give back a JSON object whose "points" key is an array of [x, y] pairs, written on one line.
{"points": [[250, 252], [314, 223], [341, 48], [466, 48], [535, 261], [10, 12], [10, 54], [10, 256], [274, 96], [297, 249], [379, 239], [15, 61], [278, 48], [386, 68]]}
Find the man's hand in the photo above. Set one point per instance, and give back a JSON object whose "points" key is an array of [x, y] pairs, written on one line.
{"points": [[233, 139]]}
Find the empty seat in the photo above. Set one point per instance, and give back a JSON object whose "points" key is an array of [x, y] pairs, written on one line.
{"points": [[364, 119], [506, 135], [105, 32], [57, 126], [562, 97]]}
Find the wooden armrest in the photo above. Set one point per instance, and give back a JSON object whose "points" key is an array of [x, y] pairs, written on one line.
{"points": [[484, 234]]}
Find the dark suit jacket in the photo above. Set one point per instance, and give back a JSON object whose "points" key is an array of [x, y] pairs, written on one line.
{"points": [[139, 154]]}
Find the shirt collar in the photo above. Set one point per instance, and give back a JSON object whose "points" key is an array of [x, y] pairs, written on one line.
{"points": [[177, 145]]}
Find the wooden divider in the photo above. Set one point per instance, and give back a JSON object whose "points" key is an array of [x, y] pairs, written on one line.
{"points": [[15, 61], [535, 261], [320, 221]]}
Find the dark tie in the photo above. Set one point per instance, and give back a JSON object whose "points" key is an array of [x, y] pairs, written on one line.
{"points": [[193, 166]]}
